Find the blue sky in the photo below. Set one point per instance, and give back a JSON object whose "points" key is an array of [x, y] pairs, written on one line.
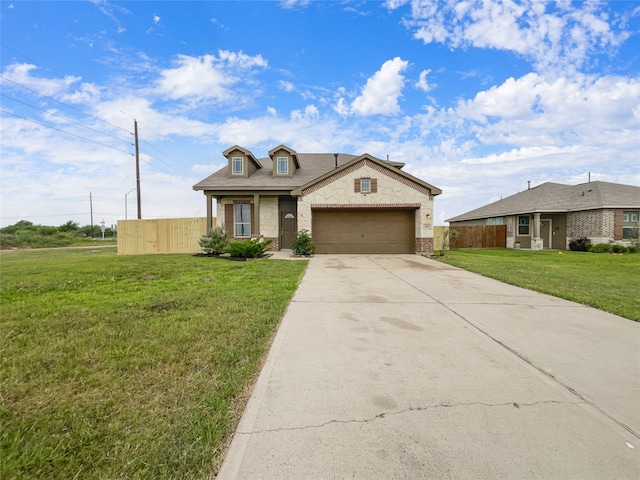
{"points": [[476, 98]]}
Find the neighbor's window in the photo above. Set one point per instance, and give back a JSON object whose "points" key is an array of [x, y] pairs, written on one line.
{"points": [[283, 165], [631, 225], [242, 219], [523, 224], [365, 185], [236, 167], [495, 221]]}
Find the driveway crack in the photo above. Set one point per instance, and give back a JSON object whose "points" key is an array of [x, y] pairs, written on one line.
{"points": [[407, 410]]}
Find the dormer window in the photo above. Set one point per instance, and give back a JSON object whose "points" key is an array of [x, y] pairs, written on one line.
{"points": [[283, 166], [237, 166]]}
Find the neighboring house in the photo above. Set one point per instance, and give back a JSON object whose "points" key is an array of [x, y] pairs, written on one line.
{"points": [[348, 203], [551, 214]]}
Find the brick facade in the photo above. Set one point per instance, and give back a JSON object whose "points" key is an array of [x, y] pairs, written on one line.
{"points": [[597, 225]]}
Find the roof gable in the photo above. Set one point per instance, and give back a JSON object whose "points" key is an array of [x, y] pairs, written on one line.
{"points": [[290, 151], [245, 152], [339, 171]]}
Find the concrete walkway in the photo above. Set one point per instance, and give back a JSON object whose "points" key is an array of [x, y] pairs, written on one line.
{"points": [[401, 367]]}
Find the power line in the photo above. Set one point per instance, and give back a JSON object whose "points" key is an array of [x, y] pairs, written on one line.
{"points": [[64, 118], [63, 131], [166, 154], [68, 106]]}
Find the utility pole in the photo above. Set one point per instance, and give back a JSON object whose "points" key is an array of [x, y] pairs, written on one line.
{"points": [[91, 209], [135, 129]]}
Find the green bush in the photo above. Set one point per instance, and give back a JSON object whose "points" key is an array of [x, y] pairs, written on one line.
{"points": [[30, 239], [615, 248], [633, 249], [303, 244], [215, 241], [253, 248], [579, 244], [600, 248]]}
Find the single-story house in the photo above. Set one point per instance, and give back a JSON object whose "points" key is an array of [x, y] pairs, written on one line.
{"points": [[348, 203], [551, 214]]}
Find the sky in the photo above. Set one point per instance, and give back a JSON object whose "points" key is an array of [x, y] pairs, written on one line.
{"points": [[477, 98]]}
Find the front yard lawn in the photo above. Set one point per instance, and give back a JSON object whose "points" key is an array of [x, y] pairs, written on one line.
{"points": [[610, 282], [130, 366]]}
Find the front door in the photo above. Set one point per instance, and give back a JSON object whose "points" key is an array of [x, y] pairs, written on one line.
{"points": [[288, 228], [546, 230]]}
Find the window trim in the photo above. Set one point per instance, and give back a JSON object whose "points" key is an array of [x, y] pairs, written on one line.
{"points": [[364, 181], [285, 163], [628, 227], [526, 225], [236, 223], [234, 163]]}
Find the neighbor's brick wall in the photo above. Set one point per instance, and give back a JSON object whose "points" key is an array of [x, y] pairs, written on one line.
{"points": [[597, 225]]}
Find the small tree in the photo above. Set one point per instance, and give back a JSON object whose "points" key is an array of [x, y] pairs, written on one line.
{"points": [[303, 244], [448, 238], [70, 226], [215, 241]]}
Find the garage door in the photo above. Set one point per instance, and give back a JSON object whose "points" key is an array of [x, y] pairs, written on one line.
{"points": [[364, 231]]}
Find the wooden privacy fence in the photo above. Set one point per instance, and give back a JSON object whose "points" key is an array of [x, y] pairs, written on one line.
{"points": [[480, 236], [166, 235]]}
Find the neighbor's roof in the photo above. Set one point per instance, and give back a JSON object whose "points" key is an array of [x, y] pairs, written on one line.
{"points": [[555, 197], [312, 167]]}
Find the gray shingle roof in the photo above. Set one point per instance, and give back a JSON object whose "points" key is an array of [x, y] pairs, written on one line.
{"points": [[312, 165], [555, 197]]}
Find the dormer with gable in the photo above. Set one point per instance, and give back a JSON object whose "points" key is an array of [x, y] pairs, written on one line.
{"points": [[285, 161], [242, 163]]}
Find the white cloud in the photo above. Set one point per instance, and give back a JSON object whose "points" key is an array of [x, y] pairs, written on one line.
{"points": [[381, 92], [310, 112], [207, 76], [156, 19], [109, 10], [21, 73], [422, 82], [294, 3], [557, 39], [286, 86]]}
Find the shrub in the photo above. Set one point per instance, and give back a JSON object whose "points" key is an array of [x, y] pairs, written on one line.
{"points": [[615, 248], [633, 249], [580, 244], [215, 241], [253, 248], [303, 244], [600, 248]]}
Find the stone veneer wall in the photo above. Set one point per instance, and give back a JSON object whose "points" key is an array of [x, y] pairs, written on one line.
{"points": [[596, 225], [392, 192], [269, 220], [424, 245]]}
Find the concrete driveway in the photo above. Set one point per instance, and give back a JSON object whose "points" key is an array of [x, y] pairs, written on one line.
{"points": [[399, 366]]}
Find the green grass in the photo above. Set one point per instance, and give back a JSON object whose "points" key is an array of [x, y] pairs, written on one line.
{"points": [[130, 366], [605, 281]]}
